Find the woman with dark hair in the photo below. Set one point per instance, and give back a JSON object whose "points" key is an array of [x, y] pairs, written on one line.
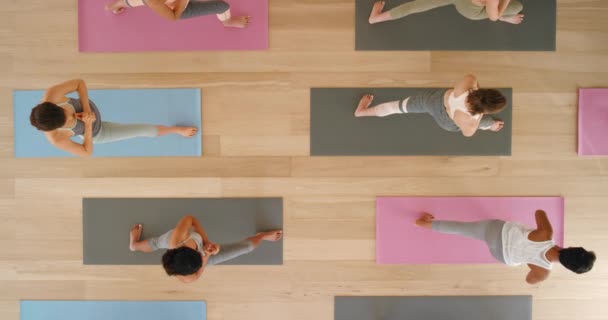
{"points": [[514, 244], [464, 108], [496, 10], [190, 250], [184, 9], [61, 118]]}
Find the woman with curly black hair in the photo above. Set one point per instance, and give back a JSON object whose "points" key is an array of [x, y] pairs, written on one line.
{"points": [[514, 244], [465, 108], [190, 250]]}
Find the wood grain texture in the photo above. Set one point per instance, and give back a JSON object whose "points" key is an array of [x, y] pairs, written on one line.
{"points": [[255, 132]]}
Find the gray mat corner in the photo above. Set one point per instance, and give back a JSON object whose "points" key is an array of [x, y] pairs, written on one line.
{"points": [[445, 29], [433, 308], [335, 131], [107, 221]]}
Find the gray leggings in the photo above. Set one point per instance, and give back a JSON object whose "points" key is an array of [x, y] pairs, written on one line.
{"points": [[431, 101], [227, 251], [489, 231], [466, 8], [111, 131], [197, 8]]}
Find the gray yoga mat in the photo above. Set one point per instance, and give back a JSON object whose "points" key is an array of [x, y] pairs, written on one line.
{"points": [[107, 221], [335, 131], [434, 308], [445, 29]]}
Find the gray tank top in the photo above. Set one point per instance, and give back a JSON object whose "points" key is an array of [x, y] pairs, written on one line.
{"points": [[78, 128]]}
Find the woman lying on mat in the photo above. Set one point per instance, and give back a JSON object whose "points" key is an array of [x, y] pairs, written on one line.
{"points": [[465, 108], [184, 9], [189, 249], [514, 244], [61, 118], [495, 10]]}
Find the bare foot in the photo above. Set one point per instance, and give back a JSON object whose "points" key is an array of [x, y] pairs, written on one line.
{"points": [[134, 236], [187, 131], [364, 103], [118, 6], [237, 22], [271, 235], [516, 19], [376, 11], [425, 221]]}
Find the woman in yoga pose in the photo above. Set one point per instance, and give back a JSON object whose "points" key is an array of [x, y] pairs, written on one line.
{"points": [[464, 108], [61, 118], [514, 244], [496, 10], [190, 250], [184, 9]]}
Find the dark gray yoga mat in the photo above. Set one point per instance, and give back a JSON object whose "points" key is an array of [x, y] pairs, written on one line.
{"points": [[335, 131], [434, 308], [445, 29], [107, 221]]}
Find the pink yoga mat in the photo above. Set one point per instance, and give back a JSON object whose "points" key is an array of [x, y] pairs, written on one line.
{"points": [[400, 241], [140, 29], [593, 121]]}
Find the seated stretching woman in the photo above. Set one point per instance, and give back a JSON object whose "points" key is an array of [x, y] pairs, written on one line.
{"points": [[189, 249], [465, 108], [514, 244], [495, 10], [184, 9], [61, 118]]}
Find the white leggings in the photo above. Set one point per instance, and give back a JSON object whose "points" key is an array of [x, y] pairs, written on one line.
{"points": [[111, 131]]}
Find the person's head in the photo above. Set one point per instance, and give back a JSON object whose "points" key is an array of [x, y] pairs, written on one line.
{"points": [[577, 259], [486, 101], [182, 261], [47, 116]]}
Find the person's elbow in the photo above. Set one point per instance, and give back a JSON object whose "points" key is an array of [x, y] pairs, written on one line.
{"points": [[494, 18]]}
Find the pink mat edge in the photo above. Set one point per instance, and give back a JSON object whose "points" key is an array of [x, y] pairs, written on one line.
{"points": [[579, 130], [561, 241], [263, 47]]}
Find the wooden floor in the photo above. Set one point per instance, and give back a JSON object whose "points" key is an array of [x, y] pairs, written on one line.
{"points": [[256, 129]]}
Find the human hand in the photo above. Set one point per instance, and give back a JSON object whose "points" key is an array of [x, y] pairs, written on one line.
{"points": [[212, 248], [497, 125], [86, 117]]}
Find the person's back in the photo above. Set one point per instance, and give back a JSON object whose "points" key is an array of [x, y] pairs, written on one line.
{"points": [[519, 249]]}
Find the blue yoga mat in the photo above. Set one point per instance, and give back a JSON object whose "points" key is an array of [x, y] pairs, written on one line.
{"points": [[153, 106], [114, 310]]}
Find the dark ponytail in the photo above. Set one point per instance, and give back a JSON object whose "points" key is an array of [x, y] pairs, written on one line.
{"points": [[486, 101]]}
